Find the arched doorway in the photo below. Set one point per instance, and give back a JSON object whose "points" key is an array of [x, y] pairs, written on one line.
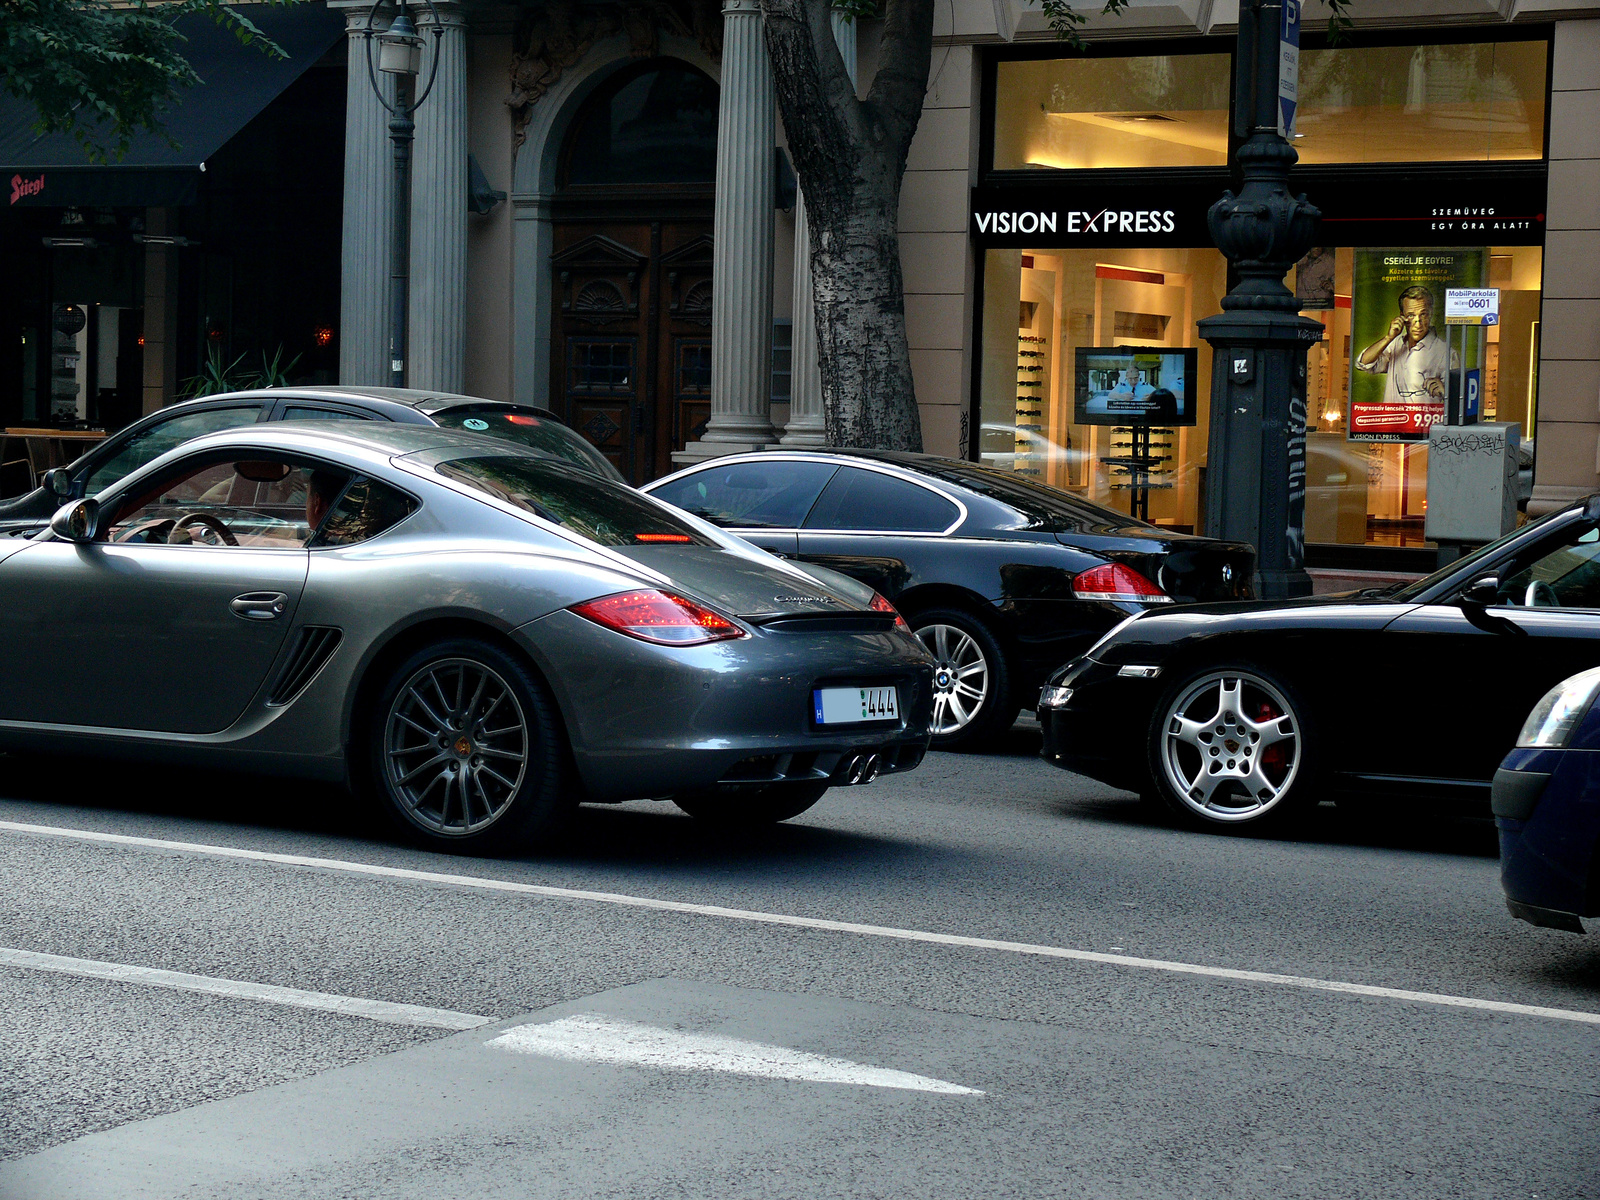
{"points": [[631, 337]]}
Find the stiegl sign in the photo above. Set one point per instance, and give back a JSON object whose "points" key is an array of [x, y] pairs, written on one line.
{"points": [[1077, 221]]}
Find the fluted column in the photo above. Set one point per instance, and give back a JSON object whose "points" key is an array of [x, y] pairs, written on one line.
{"points": [[438, 334], [805, 427], [741, 267], [368, 203]]}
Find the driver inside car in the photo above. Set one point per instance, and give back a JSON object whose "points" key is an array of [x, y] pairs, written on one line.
{"points": [[269, 504]]}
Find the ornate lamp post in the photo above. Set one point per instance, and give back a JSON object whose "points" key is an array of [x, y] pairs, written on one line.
{"points": [[1256, 472], [400, 55]]}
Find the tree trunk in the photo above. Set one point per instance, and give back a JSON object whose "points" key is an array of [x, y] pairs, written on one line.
{"points": [[849, 156]]}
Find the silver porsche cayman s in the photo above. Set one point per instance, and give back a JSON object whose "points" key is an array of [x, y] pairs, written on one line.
{"points": [[472, 633]]}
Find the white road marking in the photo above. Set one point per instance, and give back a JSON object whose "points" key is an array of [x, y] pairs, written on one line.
{"points": [[766, 918], [592, 1038], [348, 1006]]}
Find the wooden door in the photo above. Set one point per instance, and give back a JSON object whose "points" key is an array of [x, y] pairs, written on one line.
{"points": [[631, 339]]}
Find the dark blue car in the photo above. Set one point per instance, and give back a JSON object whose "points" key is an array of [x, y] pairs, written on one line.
{"points": [[1547, 805]]}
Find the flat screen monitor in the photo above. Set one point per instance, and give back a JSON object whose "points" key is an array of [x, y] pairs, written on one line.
{"points": [[1134, 385]]}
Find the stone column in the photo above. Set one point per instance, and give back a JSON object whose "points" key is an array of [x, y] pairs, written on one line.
{"points": [[368, 204], [436, 355], [741, 270], [805, 427]]}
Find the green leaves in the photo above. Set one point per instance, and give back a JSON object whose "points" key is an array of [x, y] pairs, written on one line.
{"points": [[1065, 19], [103, 70]]}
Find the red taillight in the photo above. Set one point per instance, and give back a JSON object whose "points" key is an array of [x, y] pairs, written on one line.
{"points": [[879, 604], [521, 419], [651, 539], [1114, 581], [659, 617]]}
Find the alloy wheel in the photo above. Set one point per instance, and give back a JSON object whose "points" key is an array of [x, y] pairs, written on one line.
{"points": [[1230, 746], [960, 676], [455, 747]]}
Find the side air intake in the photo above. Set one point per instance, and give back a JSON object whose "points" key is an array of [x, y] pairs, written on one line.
{"points": [[317, 644]]}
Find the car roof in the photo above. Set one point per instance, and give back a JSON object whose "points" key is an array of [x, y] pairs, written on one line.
{"points": [[420, 399], [385, 437]]}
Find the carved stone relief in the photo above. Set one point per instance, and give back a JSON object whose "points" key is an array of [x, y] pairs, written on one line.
{"points": [[554, 36]]}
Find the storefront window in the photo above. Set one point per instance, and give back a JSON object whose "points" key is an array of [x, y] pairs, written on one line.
{"points": [[1044, 306], [1476, 102], [1367, 478], [1156, 111]]}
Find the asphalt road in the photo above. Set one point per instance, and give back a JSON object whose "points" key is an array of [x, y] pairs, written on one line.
{"points": [[1040, 1075]]}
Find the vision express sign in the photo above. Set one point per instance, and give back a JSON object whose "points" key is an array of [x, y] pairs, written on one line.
{"points": [[1401, 211]]}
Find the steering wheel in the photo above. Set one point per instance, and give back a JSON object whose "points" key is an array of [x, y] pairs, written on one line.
{"points": [[210, 522], [145, 531], [1540, 595]]}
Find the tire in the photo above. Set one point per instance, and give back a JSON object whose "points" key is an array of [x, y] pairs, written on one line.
{"points": [[961, 643], [1254, 772], [754, 808], [450, 780]]}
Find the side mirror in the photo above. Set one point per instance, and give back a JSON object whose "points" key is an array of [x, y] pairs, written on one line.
{"points": [[58, 482], [77, 522], [1483, 591]]}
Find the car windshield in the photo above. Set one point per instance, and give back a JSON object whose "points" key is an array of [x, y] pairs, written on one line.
{"points": [[604, 512], [1412, 590], [1046, 508], [528, 428]]}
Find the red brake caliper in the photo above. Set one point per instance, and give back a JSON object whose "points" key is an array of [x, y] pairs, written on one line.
{"points": [[1275, 757]]}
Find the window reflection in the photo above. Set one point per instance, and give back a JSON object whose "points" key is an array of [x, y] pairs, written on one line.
{"points": [[1153, 111], [1463, 103]]}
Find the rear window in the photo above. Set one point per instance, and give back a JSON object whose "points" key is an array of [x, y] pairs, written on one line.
{"points": [[608, 513], [758, 495], [528, 428], [1045, 508], [878, 503]]}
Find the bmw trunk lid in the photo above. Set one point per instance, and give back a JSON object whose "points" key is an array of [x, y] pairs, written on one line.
{"points": [[1189, 569]]}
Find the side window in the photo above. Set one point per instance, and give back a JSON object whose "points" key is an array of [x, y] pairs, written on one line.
{"points": [[306, 412], [152, 443], [866, 500], [366, 509], [265, 504], [757, 495], [1567, 576]]}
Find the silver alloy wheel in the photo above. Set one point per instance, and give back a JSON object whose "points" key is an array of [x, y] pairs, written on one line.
{"points": [[1230, 746], [455, 747], [960, 678]]}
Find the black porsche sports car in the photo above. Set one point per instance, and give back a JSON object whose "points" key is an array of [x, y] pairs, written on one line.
{"points": [[1003, 578], [1237, 712]]}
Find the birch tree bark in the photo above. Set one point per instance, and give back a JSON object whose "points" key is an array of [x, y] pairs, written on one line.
{"points": [[849, 156]]}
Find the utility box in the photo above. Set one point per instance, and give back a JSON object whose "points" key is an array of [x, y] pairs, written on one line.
{"points": [[1472, 482]]}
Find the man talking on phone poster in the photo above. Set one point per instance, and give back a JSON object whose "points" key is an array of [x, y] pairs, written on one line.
{"points": [[1411, 354]]}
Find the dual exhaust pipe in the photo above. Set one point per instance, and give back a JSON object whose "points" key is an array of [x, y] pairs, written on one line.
{"points": [[861, 768]]}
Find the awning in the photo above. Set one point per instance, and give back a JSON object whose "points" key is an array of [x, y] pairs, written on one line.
{"points": [[237, 82]]}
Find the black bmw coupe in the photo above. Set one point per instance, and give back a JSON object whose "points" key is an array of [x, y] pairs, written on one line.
{"points": [[1004, 579], [1235, 713]]}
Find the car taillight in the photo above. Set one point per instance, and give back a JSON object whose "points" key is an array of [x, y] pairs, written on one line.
{"points": [[659, 617], [521, 419], [879, 604], [1115, 581]]}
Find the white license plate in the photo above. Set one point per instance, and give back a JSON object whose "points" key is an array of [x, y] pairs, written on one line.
{"points": [[855, 706]]}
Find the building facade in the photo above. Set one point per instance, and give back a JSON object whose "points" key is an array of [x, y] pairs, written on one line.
{"points": [[603, 223]]}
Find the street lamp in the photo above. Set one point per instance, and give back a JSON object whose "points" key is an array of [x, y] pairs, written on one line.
{"points": [[1256, 459], [400, 55]]}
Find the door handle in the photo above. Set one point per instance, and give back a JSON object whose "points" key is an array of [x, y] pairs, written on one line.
{"points": [[259, 606]]}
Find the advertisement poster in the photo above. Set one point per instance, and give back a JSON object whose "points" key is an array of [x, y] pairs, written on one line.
{"points": [[1401, 371]]}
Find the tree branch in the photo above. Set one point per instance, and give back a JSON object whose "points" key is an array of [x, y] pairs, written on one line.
{"points": [[901, 85]]}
